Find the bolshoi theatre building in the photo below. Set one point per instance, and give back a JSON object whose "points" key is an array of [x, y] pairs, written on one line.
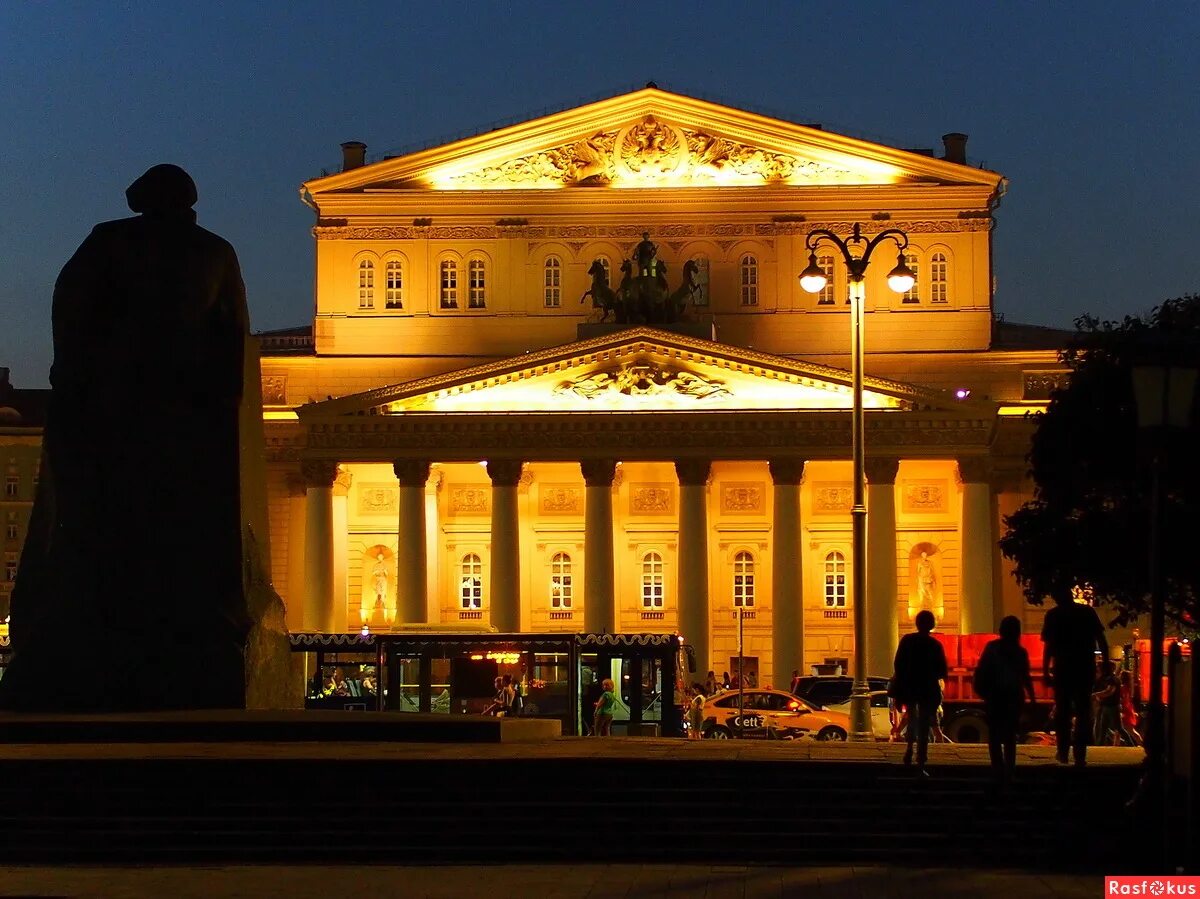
{"points": [[490, 423]]}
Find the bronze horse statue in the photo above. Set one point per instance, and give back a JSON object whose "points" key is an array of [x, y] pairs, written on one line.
{"points": [[644, 299], [603, 296]]}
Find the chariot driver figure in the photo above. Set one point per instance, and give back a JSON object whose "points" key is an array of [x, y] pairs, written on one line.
{"points": [[644, 254]]}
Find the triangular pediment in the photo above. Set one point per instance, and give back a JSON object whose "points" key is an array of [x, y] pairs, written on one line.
{"points": [[652, 138], [638, 369]]}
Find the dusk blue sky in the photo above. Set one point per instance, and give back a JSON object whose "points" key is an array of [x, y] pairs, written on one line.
{"points": [[1092, 111]]}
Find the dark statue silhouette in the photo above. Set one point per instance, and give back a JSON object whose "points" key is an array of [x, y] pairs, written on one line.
{"points": [[644, 297], [130, 593]]}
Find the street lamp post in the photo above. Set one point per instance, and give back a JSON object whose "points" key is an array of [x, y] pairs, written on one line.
{"points": [[900, 279], [1164, 398]]}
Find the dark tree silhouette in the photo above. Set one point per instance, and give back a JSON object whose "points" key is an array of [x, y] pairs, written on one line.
{"points": [[1088, 523]]}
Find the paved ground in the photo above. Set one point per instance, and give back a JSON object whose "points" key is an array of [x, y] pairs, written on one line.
{"points": [[560, 748], [540, 881]]}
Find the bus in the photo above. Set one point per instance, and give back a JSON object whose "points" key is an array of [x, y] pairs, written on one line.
{"points": [[453, 672]]}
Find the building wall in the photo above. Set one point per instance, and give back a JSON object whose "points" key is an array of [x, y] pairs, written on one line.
{"points": [[20, 460]]}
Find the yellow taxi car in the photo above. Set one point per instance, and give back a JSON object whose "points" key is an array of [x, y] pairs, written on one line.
{"points": [[768, 713]]}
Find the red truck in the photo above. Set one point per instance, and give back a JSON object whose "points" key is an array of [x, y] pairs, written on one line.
{"points": [[963, 720]]}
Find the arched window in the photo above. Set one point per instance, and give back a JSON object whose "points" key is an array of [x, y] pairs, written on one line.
{"points": [[701, 296], [366, 284], [743, 579], [835, 581], [476, 284], [913, 295], [825, 297], [449, 284], [652, 581], [552, 282], [394, 285], [749, 269], [561, 590], [471, 590], [938, 279]]}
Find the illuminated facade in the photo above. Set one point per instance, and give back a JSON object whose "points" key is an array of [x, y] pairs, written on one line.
{"points": [[460, 440]]}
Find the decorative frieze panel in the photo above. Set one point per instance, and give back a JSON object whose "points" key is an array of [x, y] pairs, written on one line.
{"points": [[1037, 385], [652, 499], [924, 497], [274, 390], [832, 497], [377, 499], [470, 500], [560, 499], [646, 378], [742, 497]]}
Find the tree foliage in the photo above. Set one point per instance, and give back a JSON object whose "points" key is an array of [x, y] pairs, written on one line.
{"points": [[1088, 524]]}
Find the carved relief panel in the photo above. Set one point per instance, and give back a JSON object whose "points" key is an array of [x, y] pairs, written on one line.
{"points": [[924, 497], [652, 499], [470, 500], [832, 497], [743, 497], [377, 499], [560, 499]]}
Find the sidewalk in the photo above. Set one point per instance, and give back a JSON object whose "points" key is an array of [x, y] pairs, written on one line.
{"points": [[541, 881]]}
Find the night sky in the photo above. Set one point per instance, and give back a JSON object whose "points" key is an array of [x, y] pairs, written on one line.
{"points": [[1091, 110]]}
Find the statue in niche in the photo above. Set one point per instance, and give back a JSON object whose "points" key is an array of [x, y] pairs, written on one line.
{"points": [[380, 580], [151, 310], [926, 582]]}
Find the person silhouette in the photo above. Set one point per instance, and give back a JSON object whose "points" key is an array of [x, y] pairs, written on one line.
{"points": [[919, 670], [140, 464], [1002, 680], [1072, 636]]}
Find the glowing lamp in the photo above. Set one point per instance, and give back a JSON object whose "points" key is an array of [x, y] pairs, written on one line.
{"points": [[813, 279], [901, 278], [962, 393]]}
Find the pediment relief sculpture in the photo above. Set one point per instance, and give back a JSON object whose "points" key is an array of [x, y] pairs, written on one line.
{"points": [[644, 379], [649, 152]]}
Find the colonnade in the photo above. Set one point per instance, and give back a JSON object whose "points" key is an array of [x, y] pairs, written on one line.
{"points": [[324, 580]]}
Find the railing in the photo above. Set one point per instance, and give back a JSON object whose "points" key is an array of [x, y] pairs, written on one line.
{"points": [[835, 613], [561, 615], [471, 615], [747, 614], [653, 616]]}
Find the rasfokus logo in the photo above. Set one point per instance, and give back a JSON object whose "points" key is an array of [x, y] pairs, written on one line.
{"points": [[1151, 886]]}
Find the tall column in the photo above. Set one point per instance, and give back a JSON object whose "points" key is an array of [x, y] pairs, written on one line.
{"points": [[295, 580], [599, 595], [411, 579], [319, 475], [693, 557], [432, 547], [341, 551], [787, 604], [976, 615], [882, 617], [504, 594]]}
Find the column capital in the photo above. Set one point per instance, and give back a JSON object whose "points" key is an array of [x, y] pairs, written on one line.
{"points": [[411, 472], [341, 483], [504, 472], [598, 472], [318, 472], [296, 483], [974, 469], [693, 472], [881, 469], [786, 470]]}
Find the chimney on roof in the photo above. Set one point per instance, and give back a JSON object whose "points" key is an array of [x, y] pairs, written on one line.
{"points": [[956, 147], [354, 155]]}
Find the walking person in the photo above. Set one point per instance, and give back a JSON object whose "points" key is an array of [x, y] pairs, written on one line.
{"points": [[605, 706], [919, 670], [1071, 637], [1003, 680]]}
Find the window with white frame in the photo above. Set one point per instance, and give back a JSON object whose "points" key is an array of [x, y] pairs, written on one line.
{"points": [[835, 580], [394, 284], [938, 279], [449, 284], [552, 282], [366, 284], [749, 274], [11, 482], [10, 526], [743, 579], [701, 296], [477, 284], [10, 567], [652, 581], [561, 589], [913, 295], [825, 296], [471, 588]]}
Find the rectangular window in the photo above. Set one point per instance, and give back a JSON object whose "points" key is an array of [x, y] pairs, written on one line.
{"points": [[477, 285], [449, 298], [10, 567], [937, 279], [394, 297], [10, 526], [825, 297], [11, 485], [914, 295]]}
